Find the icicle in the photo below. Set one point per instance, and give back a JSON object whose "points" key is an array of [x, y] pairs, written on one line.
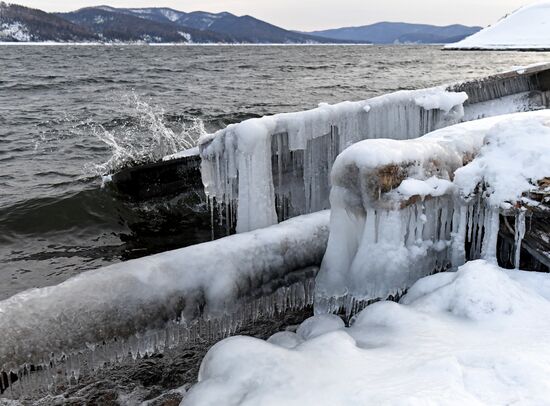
{"points": [[470, 221], [458, 255], [491, 226], [518, 236], [210, 203]]}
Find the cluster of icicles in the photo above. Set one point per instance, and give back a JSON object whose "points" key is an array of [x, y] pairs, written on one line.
{"points": [[66, 369], [395, 248], [437, 235], [266, 170]]}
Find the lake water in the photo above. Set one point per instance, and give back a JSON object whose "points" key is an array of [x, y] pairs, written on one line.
{"points": [[59, 104]]}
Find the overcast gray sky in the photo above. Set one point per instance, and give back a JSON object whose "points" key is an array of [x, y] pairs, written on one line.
{"points": [[320, 14]]}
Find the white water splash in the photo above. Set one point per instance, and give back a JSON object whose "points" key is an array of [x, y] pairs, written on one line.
{"points": [[147, 139]]}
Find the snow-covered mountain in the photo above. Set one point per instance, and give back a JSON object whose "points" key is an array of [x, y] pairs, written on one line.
{"points": [[240, 29], [151, 25], [526, 28], [110, 24], [23, 24]]}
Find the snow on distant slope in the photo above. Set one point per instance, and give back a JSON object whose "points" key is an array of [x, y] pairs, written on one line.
{"points": [[526, 28], [14, 31]]}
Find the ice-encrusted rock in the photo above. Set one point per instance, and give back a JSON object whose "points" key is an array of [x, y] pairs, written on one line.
{"points": [[402, 209]]}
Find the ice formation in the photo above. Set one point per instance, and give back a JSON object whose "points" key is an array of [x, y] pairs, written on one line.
{"points": [[526, 28], [403, 209], [278, 167], [266, 170], [142, 305], [478, 336]]}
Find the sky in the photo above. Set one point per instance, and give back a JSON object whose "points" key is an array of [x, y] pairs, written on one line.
{"points": [[307, 15]]}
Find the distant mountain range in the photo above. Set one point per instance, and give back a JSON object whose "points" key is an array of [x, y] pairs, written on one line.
{"points": [[165, 25], [400, 33]]}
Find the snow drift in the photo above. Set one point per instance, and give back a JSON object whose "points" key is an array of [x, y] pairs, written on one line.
{"points": [[527, 29], [478, 337]]}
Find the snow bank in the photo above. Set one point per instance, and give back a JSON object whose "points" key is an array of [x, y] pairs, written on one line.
{"points": [[478, 337], [126, 299], [402, 209], [284, 160], [526, 28]]}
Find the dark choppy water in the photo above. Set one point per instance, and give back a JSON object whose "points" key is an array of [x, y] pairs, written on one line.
{"points": [[57, 102]]}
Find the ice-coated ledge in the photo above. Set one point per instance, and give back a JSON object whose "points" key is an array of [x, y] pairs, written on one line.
{"points": [[478, 336], [400, 209], [122, 300], [250, 166]]}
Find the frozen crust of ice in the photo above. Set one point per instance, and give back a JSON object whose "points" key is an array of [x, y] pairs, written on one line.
{"points": [[478, 337], [135, 296]]}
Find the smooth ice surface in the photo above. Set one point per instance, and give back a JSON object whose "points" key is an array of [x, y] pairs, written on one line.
{"points": [[526, 28], [238, 168], [475, 337], [132, 297], [403, 209]]}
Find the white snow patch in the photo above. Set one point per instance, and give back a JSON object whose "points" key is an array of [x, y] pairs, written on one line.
{"points": [[170, 14], [15, 31], [433, 186], [443, 101], [185, 35]]}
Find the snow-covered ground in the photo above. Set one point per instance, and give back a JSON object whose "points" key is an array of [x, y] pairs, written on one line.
{"points": [[526, 28], [475, 337]]}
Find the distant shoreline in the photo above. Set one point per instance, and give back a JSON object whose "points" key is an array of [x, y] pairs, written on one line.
{"points": [[166, 44], [175, 44]]}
